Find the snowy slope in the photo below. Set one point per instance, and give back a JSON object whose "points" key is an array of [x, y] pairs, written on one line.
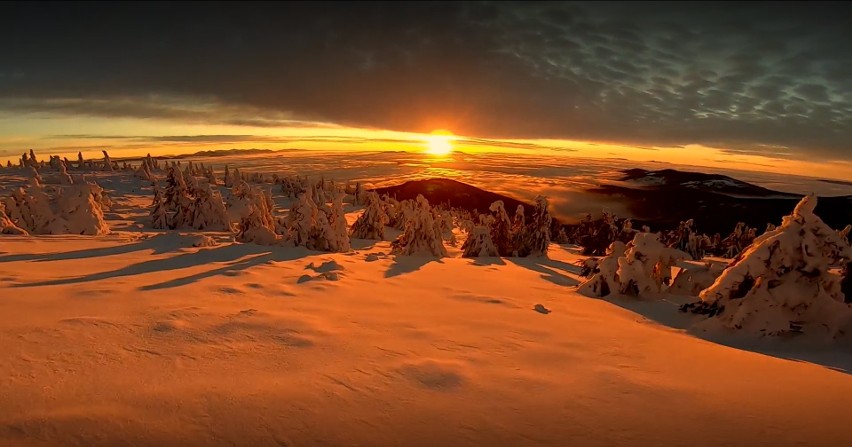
{"points": [[139, 338]]}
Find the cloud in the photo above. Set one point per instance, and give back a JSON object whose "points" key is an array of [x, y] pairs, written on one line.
{"points": [[758, 75]]}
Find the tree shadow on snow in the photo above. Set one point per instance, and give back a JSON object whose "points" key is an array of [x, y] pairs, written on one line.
{"points": [[550, 269], [407, 264], [160, 243], [836, 355], [231, 254]]}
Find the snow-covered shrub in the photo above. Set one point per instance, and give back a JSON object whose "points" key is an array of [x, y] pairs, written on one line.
{"points": [[420, 235], [641, 268], [603, 273], [781, 283], [371, 223], [646, 266], [73, 209]]}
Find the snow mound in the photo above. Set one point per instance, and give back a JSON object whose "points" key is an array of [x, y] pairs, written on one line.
{"points": [[781, 283]]}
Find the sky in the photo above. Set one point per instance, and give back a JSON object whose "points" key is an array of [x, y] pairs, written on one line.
{"points": [[763, 86]]}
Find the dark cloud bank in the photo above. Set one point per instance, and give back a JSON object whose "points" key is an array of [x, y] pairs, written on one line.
{"points": [[768, 78]]}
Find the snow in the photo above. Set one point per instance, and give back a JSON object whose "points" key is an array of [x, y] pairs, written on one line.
{"points": [[158, 338]]}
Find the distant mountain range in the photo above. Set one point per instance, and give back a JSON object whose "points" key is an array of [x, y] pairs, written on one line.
{"points": [[660, 199]]}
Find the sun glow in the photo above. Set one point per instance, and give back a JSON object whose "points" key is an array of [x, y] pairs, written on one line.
{"points": [[439, 142]]}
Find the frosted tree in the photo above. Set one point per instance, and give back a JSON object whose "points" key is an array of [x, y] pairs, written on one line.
{"points": [[519, 233], [691, 281], [80, 162], [420, 235], [210, 211], [256, 223], [641, 268], [144, 171], [71, 210], [64, 178], [81, 213], [211, 176], [603, 273], [35, 179], [501, 229], [539, 230], [646, 267], [7, 226], [107, 161], [479, 243], [301, 220], [339, 236], [159, 214], [371, 223], [781, 283], [179, 204], [229, 180]]}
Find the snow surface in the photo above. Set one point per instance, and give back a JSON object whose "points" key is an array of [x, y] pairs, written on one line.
{"points": [[151, 338]]}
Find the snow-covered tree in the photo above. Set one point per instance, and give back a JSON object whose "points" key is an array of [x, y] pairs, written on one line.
{"points": [[519, 233], [73, 209], [159, 213], [80, 211], [210, 211], [604, 278], [420, 235], [256, 223], [539, 231], [781, 283], [64, 178], [229, 180], [371, 223], [479, 243], [691, 281], [107, 162], [7, 226], [339, 236], [501, 229], [642, 268], [301, 220]]}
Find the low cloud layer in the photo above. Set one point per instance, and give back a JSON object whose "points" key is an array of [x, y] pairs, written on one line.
{"points": [[768, 79]]}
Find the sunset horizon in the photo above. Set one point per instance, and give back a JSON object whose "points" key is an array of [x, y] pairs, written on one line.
{"points": [[425, 224]]}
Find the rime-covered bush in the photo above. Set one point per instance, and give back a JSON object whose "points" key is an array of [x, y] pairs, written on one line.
{"points": [[421, 235], [781, 283]]}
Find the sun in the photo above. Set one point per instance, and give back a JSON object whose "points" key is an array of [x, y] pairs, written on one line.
{"points": [[439, 142]]}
